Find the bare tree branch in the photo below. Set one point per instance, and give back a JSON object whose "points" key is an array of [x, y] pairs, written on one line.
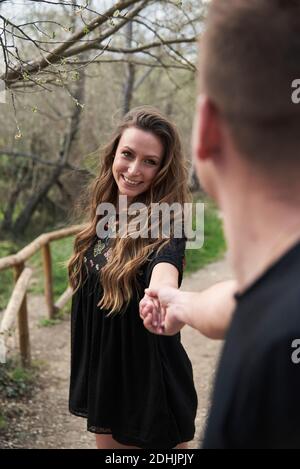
{"points": [[54, 61], [37, 159], [57, 53]]}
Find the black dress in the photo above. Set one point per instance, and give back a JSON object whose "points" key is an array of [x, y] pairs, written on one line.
{"points": [[126, 381]]}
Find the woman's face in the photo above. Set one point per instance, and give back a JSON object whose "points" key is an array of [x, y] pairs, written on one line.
{"points": [[137, 161]]}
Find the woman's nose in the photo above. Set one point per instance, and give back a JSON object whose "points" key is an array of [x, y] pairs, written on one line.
{"points": [[134, 168]]}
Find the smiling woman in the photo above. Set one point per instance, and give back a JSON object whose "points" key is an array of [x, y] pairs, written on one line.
{"points": [[135, 388], [137, 161]]}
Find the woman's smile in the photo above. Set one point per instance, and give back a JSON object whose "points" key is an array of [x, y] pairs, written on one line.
{"points": [[129, 181]]}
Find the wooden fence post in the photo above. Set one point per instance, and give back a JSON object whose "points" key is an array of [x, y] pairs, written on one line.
{"points": [[12, 310], [17, 262], [23, 323], [48, 280]]}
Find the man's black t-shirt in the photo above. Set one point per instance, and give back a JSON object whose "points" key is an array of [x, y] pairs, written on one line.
{"points": [[256, 401]]}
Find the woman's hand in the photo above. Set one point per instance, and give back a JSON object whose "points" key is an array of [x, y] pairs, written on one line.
{"points": [[150, 313], [171, 307]]}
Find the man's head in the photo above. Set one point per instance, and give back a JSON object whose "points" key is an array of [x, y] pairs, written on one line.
{"points": [[249, 57]]}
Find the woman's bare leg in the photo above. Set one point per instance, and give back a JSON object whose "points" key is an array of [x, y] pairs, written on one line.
{"points": [[184, 445], [108, 442]]}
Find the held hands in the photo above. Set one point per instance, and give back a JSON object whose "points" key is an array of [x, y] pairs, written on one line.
{"points": [[165, 310], [161, 309], [150, 313]]}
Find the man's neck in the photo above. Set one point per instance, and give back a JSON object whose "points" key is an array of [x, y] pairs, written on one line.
{"points": [[258, 235]]}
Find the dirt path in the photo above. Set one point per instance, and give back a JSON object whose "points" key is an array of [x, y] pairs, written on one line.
{"points": [[46, 422]]}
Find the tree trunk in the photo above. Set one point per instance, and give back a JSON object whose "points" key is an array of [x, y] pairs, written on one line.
{"points": [[130, 73], [24, 218], [69, 138], [194, 184], [22, 182]]}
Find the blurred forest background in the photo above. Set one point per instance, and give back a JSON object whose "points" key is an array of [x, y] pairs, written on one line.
{"points": [[71, 70]]}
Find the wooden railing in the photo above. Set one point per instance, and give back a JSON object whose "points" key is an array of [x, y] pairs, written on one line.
{"points": [[17, 305]]}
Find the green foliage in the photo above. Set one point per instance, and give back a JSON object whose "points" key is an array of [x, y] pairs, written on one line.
{"points": [[45, 322], [15, 381], [6, 276], [66, 309], [3, 422], [214, 244], [61, 250]]}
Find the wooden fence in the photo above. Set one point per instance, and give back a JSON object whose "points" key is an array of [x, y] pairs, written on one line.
{"points": [[17, 305]]}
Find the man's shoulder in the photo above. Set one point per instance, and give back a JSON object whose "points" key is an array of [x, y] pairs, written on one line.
{"points": [[270, 312]]}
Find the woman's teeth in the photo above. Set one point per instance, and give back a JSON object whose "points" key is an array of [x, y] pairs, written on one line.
{"points": [[132, 183]]}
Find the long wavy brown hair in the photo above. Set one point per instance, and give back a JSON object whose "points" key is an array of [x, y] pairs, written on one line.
{"points": [[119, 276]]}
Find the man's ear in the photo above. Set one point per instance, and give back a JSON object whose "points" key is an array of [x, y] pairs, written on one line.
{"points": [[207, 132]]}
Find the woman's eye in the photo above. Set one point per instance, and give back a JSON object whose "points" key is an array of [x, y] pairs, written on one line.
{"points": [[151, 162], [126, 154]]}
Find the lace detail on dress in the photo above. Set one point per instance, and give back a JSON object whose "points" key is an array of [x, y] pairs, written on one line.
{"points": [[97, 255], [99, 247], [93, 429]]}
